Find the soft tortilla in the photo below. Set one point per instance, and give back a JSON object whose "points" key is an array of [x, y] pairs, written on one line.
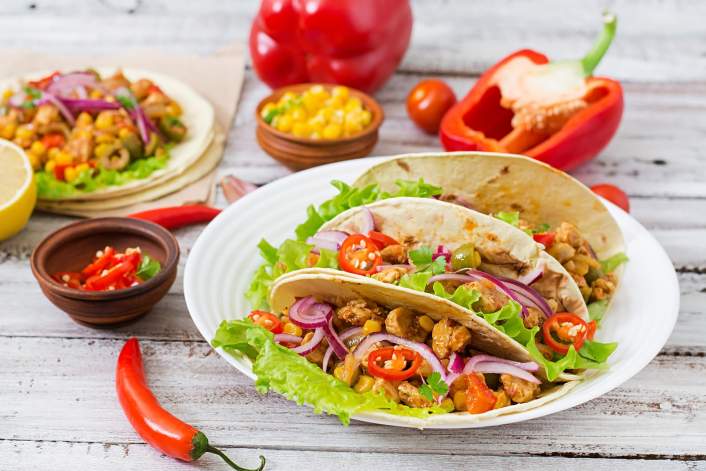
{"points": [[198, 116], [329, 286]]}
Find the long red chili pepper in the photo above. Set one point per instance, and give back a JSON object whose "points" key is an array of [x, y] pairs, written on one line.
{"points": [[155, 425], [174, 217]]}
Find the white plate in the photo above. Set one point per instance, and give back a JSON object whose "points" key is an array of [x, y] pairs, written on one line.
{"points": [[225, 255]]}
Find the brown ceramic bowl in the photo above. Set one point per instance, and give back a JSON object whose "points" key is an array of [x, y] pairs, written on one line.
{"points": [[299, 153], [72, 247]]}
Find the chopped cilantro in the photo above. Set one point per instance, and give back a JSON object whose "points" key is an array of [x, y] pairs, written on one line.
{"points": [[433, 385]]}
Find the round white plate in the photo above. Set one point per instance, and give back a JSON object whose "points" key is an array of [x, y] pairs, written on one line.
{"points": [[225, 256]]}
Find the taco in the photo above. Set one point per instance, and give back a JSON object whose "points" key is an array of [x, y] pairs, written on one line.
{"points": [[350, 346], [100, 133], [560, 212]]}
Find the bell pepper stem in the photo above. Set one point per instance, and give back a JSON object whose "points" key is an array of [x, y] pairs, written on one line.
{"points": [[230, 463], [594, 56]]}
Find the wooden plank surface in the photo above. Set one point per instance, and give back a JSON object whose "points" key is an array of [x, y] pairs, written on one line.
{"points": [[57, 402]]}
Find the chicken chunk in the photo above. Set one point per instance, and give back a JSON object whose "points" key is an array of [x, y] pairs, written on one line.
{"points": [[603, 287], [447, 337], [490, 298], [569, 234], [395, 254], [357, 311], [501, 399], [403, 323], [519, 390], [46, 114], [535, 317], [390, 275], [409, 394], [388, 388], [562, 251]]}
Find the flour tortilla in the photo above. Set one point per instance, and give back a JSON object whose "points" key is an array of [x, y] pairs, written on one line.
{"points": [[335, 289], [492, 182], [198, 116], [505, 249]]}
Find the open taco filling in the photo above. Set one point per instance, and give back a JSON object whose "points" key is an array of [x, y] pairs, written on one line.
{"points": [[83, 131], [351, 353]]}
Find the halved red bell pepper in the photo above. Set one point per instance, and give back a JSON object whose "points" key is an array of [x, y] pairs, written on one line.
{"points": [[556, 112], [358, 43]]}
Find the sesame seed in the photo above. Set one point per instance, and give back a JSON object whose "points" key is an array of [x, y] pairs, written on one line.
{"points": [[356, 263], [99, 253], [362, 243], [363, 265], [66, 278], [104, 272], [371, 256]]}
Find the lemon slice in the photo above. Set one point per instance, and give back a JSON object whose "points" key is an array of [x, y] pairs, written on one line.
{"points": [[18, 192]]}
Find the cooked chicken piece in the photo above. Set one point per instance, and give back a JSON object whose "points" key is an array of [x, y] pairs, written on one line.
{"points": [[395, 254], [501, 399], [357, 311], [389, 388], [80, 145], [549, 286], [349, 370], [46, 114], [562, 251], [546, 352], [569, 234], [118, 80], [410, 395], [518, 389], [583, 285], [316, 355], [490, 298], [141, 88], [425, 369], [603, 287], [447, 337], [403, 323], [461, 384], [390, 275], [535, 317]]}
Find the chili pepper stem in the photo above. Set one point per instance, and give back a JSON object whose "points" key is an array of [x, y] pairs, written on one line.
{"points": [[591, 60], [216, 451]]}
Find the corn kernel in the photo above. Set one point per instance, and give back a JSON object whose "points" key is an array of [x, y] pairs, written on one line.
{"points": [[104, 138], [336, 102], [352, 126], [24, 132], [425, 323], [460, 400], [338, 117], [318, 91], [338, 372], [34, 160], [95, 94], [287, 97], [284, 123], [70, 174], [104, 120], [292, 329], [174, 109], [64, 158], [124, 133], [38, 148], [332, 131], [340, 92], [310, 102], [300, 129], [315, 135], [49, 166], [447, 404], [84, 119], [102, 150], [364, 384], [7, 94], [82, 167], [8, 132], [353, 103], [53, 152], [325, 113], [299, 114], [284, 319], [366, 117], [371, 326], [316, 124]]}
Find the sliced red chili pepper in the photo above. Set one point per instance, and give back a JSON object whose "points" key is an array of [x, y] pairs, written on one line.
{"points": [[155, 425], [71, 279], [545, 238], [100, 263], [393, 363], [44, 82], [359, 254], [175, 217], [591, 331], [103, 282], [267, 320], [563, 330], [479, 397], [381, 240]]}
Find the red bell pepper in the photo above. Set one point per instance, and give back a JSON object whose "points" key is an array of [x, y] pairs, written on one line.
{"points": [[358, 43], [556, 112]]}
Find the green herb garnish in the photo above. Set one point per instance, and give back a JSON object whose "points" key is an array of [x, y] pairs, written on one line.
{"points": [[148, 268], [433, 385]]}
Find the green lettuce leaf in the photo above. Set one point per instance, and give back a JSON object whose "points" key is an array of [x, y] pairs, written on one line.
{"points": [[279, 369], [417, 281], [597, 309], [510, 217], [611, 263]]}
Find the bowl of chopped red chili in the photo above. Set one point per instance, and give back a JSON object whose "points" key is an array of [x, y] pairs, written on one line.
{"points": [[106, 271]]}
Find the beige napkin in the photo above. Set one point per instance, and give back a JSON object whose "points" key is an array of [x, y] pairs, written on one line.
{"points": [[217, 77]]}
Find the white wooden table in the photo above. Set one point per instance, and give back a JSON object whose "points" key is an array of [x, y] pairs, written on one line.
{"points": [[57, 403]]}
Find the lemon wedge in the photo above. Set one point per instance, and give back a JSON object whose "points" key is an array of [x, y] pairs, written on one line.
{"points": [[18, 192]]}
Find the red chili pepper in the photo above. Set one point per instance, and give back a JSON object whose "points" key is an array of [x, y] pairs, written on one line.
{"points": [[359, 254], [175, 217], [564, 329], [103, 282], [557, 113], [381, 240], [393, 363], [100, 262], [358, 43], [68, 278], [267, 320], [545, 238], [155, 425]]}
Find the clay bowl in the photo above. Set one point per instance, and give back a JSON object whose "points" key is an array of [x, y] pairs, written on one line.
{"points": [[72, 247], [299, 153]]}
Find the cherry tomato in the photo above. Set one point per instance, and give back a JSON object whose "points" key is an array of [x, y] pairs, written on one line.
{"points": [[613, 194], [381, 240], [394, 363], [564, 329], [71, 279], [479, 397], [359, 255], [545, 238], [267, 320], [427, 103]]}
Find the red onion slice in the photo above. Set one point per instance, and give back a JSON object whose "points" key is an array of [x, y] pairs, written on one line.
{"points": [[452, 277], [308, 314], [424, 350], [336, 236], [504, 368], [287, 338], [78, 104], [529, 295], [442, 251], [311, 344], [327, 357], [329, 240], [533, 274], [368, 221], [50, 98], [65, 84], [455, 363], [335, 341], [345, 335], [474, 360]]}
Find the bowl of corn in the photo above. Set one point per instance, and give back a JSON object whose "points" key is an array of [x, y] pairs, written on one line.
{"points": [[309, 124]]}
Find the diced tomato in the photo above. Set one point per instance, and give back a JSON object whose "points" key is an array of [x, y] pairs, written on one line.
{"points": [[393, 363], [59, 172], [479, 397], [154, 89], [55, 139], [613, 194], [381, 240], [545, 238], [359, 254], [267, 320], [592, 326]]}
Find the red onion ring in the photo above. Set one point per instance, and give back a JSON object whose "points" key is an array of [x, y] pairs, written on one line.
{"points": [[335, 341], [345, 335], [368, 221], [455, 363], [321, 244], [52, 99], [504, 368], [308, 314], [64, 84], [529, 294], [311, 345], [442, 251], [533, 274], [287, 338], [424, 350], [474, 360]]}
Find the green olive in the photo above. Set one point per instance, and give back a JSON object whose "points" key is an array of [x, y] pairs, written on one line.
{"points": [[133, 144], [465, 256], [172, 127]]}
